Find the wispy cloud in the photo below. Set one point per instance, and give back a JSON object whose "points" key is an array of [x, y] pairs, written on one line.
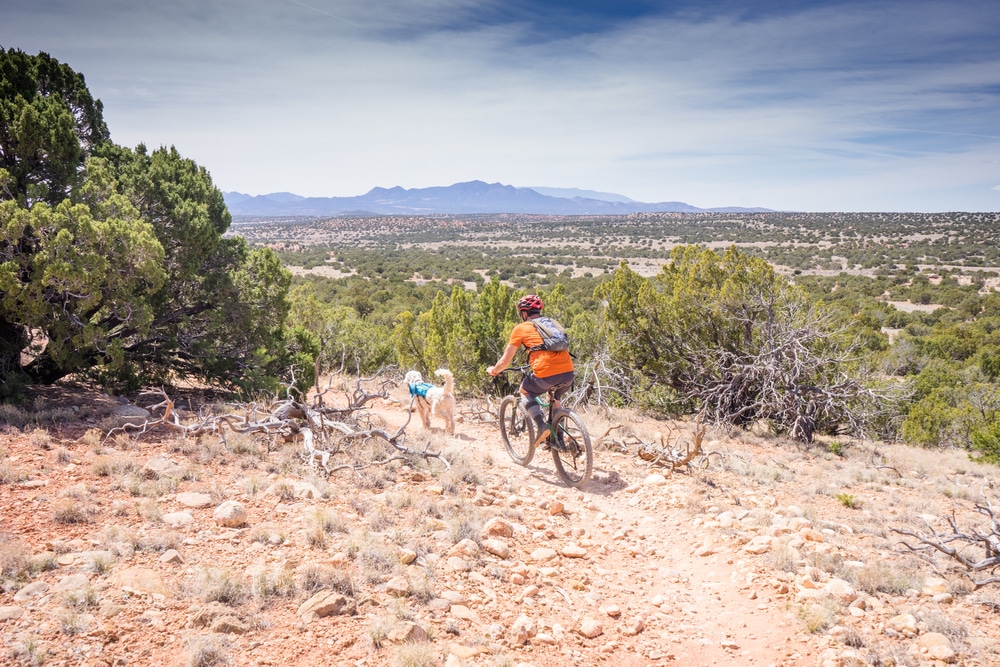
{"points": [[816, 105]]}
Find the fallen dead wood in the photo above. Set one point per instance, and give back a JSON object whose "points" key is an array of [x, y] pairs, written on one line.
{"points": [[480, 410], [676, 448], [968, 544], [325, 430]]}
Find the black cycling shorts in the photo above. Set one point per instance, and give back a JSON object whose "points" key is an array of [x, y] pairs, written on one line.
{"points": [[536, 386]]}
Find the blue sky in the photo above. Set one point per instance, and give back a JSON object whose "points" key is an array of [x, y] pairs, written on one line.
{"points": [[817, 106]]}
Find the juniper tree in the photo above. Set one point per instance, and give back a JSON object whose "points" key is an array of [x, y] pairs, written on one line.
{"points": [[728, 335], [113, 261]]}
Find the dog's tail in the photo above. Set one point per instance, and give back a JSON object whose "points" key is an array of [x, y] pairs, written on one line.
{"points": [[449, 379]]}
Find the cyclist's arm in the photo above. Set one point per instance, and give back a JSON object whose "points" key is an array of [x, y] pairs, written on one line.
{"points": [[504, 361]]}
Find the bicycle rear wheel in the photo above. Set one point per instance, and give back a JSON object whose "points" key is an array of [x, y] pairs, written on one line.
{"points": [[516, 431], [572, 453]]}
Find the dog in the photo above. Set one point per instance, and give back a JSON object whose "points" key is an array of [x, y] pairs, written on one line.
{"points": [[431, 400]]}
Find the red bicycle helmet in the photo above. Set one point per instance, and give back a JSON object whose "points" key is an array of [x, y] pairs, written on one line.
{"points": [[530, 302]]}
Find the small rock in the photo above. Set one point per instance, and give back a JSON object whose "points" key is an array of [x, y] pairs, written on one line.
{"points": [[73, 582], [195, 500], [634, 626], [407, 631], [464, 613], [544, 554], [439, 604], [523, 629], [326, 603], [841, 590], [466, 548], [454, 597], [758, 545], [163, 466], [458, 564], [229, 625], [590, 628], [497, 527], [612, 610], [654, 480], [407, 556], [10, 613], [206, 615], [573, 551], [31, 590], [904, 624], [231, 514], [556, 507], [398, 587], [937, 647], [172, 556], [178, 519], [498, 548]]}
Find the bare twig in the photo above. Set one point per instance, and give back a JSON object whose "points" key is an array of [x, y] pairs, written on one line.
{"points": [[931, 540]]}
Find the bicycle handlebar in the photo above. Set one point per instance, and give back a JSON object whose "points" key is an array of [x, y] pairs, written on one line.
{"points": [[520, 369]]}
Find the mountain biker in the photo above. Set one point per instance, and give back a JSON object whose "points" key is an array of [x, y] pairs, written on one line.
{"points": [[548, 368]]}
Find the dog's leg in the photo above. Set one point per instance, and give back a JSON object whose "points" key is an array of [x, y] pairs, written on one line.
{"points": [[425, 413]]}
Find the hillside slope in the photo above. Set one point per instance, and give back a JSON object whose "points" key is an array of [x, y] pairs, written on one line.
{"points": [[112, 554]]}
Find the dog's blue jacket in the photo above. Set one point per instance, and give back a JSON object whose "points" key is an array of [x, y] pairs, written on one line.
{"points": [[420, 389]]}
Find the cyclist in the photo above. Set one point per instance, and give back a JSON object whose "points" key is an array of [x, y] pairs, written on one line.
{"points": [[548, 368]]}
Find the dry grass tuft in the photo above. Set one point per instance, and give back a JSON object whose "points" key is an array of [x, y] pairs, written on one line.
{"points": [[882, 577], [11, 475], [207, 651], [40, 439], [14, 562], [314, 577], [225, 587], [819, 616], [70, 511], [29, 651], [414, 655]]}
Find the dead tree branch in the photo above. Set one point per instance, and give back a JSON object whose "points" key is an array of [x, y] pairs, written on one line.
{"points": [[325, 430], [987, 540], [676, 448]]}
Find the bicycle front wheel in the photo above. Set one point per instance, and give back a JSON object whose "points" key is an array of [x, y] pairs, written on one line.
{"points": [[516, 431], [572, 454]]}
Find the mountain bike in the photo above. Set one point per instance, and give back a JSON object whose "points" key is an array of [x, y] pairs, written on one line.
{"points": [[567, 439]]}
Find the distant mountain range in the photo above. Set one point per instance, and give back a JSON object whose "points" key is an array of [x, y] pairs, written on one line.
{"points": [[461, 198]]}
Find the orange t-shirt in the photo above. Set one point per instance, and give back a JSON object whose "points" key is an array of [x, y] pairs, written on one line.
{"points": [[544, 363]]}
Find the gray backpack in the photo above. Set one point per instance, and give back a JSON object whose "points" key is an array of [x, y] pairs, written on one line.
{"points": [[554, 338]]}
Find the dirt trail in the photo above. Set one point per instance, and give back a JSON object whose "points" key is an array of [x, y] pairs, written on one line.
{"points": [[706, 600]]}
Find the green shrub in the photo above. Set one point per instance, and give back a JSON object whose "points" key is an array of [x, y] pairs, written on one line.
{"points": [[986, 442]]}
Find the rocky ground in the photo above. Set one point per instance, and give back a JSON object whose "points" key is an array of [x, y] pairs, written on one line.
{"points": [[161, 550]]}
